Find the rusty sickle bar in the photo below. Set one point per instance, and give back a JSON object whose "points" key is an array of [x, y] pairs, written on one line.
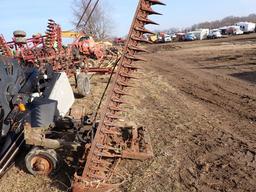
{"points": [[108, 146]]}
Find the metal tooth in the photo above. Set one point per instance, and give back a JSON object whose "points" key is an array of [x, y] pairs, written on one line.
{"points": [[112, 116], [141, 40], [143, 30], [131, 67], [125, 84], [150, 11], [110, 124], [147, 21], [51, 21], [138, 49], [50, 26], [135, 58], [112, 108], [156, 2], [127, 75], [117, 100], [121, 92]]}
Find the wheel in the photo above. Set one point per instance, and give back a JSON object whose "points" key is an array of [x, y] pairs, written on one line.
{"points": [[41, 161], [83, 84], [21, 40], [19, 33]]}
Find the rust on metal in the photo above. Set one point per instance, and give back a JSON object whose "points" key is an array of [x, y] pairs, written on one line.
{"points": [[40, 50], [41, 165], [109, 144], [36, 137], [4, 48]]}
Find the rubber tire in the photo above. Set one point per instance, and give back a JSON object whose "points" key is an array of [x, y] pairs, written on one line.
{"points": [[50, 154], [19, 33], [21, 40], [83, 84]]}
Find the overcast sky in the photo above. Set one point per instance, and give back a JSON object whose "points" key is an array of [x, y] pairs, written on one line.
{"points": [[32, 15]]}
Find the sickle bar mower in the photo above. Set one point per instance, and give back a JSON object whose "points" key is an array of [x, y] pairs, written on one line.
{"points": [[36, 107], [110, 144]]}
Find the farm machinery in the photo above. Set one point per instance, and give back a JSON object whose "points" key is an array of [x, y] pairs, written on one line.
{"points": [[83, 56], [36, 108]]}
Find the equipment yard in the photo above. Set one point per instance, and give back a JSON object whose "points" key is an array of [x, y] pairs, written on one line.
{"points": [[198, 103]]}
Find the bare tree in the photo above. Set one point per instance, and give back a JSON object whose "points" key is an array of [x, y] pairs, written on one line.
{"points": [[99, 24]]}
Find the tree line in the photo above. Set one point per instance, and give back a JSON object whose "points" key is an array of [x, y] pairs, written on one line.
{"points": [[100, 24], [227, 21]]}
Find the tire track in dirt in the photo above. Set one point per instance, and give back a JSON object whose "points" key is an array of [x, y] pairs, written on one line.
{"points": [[200, 120], [207, 142]]}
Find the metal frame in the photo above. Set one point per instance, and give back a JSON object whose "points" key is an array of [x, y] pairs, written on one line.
{"points": [[43, 49], [108, 146]]}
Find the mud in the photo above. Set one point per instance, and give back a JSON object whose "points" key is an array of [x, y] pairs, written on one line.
{"points": [[200, 108]]}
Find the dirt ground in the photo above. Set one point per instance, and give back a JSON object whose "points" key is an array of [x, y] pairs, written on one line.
{"points": [[198, 102]]}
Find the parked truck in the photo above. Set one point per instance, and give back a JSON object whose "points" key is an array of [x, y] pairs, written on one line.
{"points": [[160, 38], [214, 34], [164, 38], [246, 27], [234, 30]]}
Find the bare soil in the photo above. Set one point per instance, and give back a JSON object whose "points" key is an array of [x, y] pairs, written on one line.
{"points": [[198, 102]]}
